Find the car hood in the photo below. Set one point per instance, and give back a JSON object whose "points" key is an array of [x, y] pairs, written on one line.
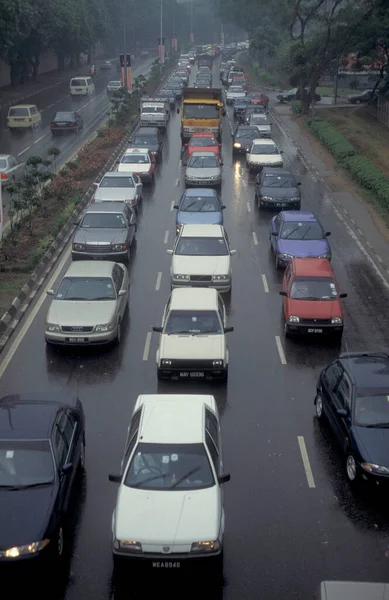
{"points": [[263, 127], [214, 149], [201, 265], [163, 517], [134, 167], [24, 515], [200, 218], [315, 309], [100, 236], [153, 147], [192, 346], [303, 248], [373, 444], [273, 192], [203, 173], [81, 313], [115, 194]]}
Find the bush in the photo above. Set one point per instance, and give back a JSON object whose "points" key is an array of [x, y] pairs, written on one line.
{"points": [[339, 147], [296, 106], [367, 175]]}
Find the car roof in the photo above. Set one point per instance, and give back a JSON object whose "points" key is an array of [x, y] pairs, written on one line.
{"points": [[264, 142], [200, 192], [117, 174], [146, 130], [312, 267], [173, 418], [5, 155], [299, 215], [275, 171], [31, 416], [136, 151], [105, 207], [368, 369], [90, 268], [353, 590], [194, 298], [190, 230], [205, 153], [23, 106]]}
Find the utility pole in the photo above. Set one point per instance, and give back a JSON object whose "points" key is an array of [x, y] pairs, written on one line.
{"points": [[335, 97], [124, 44], [191, 37], [161, 51]]}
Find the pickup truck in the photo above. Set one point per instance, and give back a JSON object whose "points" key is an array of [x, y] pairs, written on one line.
{"points": [[155, 111]]}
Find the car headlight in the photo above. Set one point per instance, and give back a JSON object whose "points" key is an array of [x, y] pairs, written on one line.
{"points": [[181, 277], [327, 256], [165, 362], [217, 363], [190, 177], [205, 546], [105, 327], [237, 145], [286, 256], [17, 551], [78, 247], [119, 247], [295, 199], [336, 321], [371, 468], [266, 198], [294, 319], [52, 327], [220, 277], [128, 545]]}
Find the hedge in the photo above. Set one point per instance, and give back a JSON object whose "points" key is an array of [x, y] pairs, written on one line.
{"points": [[296, 106], [339, 147]]}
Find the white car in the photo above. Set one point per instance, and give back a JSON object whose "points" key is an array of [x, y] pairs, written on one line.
{"points": [[262, 123], [193, 341], [201, 258], [263, 153], [119, 187], [235, 92], [203, 169], [139, 161], [169, 507]]}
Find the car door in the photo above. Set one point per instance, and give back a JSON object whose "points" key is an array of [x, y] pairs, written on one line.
{"points": [[286, 287], [166, 311], [66, 447], [342, 400], [275, 228], [329, 381], [212, 438], [118, 277], [132, 437], [222, 310], [131, 223]]}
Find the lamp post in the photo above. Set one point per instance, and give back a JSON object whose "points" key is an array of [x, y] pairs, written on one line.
{"points": [[124, 46], [161, 51], [191, 37]]}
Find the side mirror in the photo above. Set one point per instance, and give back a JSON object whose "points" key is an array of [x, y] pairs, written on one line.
{"points": [[342, 412], [50, 292], [115, 478], [76, 223], [222, 207], [95, 183], [228, 329], [178, 111], [342, 295], [281, 151], [274, 233], [224, 478], [221, 163], [328, 233], [169, 252], [299, 183], [283, 294], [158, 329], [176, 206], [66, 468], [232, 252], [122, 292]]}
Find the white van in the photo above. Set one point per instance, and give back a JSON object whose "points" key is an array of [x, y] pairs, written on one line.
{"points": [[82, 86]]}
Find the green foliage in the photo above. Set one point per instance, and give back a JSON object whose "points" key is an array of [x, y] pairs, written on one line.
{"points": [[368, 176], [296, 106], [336, 143], [38, 253]]}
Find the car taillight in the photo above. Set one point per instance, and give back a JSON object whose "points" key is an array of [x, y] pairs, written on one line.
{"points": [[52, 124], [30, 119], [4, 176], [71, 124]]}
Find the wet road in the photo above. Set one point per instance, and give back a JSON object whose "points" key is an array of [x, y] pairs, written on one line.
{"points": [[282, 536]]}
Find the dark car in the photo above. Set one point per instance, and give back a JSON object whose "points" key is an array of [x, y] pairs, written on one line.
{"points": [[199, 206], [253, 109], [107, 230], [148, 137], [66, 121], [175, 87], [365, 96], [42, 448], [240, 108], [294, 94], [352, 393], [171, 95], [106, 65], [243, 138], [277, 188]]}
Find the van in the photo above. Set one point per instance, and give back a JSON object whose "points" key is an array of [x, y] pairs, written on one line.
{"points": [[23, 116], [81, 86]]}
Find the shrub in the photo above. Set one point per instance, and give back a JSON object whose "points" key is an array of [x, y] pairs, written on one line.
{"points": [[90, 163], [63, 187], [296, 106], [367, 175], [339, 147]]}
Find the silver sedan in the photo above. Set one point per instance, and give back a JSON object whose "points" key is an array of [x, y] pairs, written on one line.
{"points": [[11, 169]]}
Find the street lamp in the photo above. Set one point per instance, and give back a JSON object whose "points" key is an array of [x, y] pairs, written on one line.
{"points": [[161, 52], [191, 22], [124, 45]]}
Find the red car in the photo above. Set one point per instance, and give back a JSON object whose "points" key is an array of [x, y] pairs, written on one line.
{"points": [[202, 141], [239, 80], [312, 303], [259, 98]]}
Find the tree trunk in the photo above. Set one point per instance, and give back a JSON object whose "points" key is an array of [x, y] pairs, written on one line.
{"points": [[34, 62], [14, 72]]}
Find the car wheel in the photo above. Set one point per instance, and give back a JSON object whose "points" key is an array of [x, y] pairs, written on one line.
{"points": [[159, 374], [319, 406], [357, 101], [277, 262], [351, 468], [59, 542], [81, 464], [286, 331]]}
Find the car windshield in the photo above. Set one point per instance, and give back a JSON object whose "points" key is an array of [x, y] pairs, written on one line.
{"points": [[25, 462], [372, 408], [146, 140], [135, 159], [103, 221], [115, 84], [117, 182], [193, 322], [3, 163], [246, 132], [236, 89], [259, 119], [64, 116], [202, 162], [78, 82], [152, 109], [169, 467], [201, 246], [313, 288], [278, 181], [264, 149], [86, 288], [202, 141], [200, 204], [18, 112], [201, 111], [302, 231]]}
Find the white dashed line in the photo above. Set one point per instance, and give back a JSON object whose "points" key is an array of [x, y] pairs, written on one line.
{"points": [[147, 346], [172, 205], [244, 183], [255, 238], [177, 182], [379, 258], [280, 350], [39, 139], [264, 280], [180, 164], [165, 239], [50, 106], [306, 463], [248, 207], [23, 151], [158, 284]]}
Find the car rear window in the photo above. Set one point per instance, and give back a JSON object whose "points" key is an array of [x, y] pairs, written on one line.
{"points": [[3, 163], [64, 116], [19, 112], [78, 83]]}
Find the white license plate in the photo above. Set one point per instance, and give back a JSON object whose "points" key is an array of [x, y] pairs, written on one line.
{"points": [[194, 374], [166, 565], [76, 340], [315, 331]]}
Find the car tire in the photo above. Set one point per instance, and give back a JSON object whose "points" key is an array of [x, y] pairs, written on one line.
{"points": [[277, 261], [286, 331], [224, 377], [357, 101], [351, 469], [81, 462], [59, 543], [319, 407], [118, 333]]}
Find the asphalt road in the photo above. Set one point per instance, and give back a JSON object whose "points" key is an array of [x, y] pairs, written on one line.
{"points": [[290, 521]]}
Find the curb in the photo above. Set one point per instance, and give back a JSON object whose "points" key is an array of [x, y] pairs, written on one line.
{"points": [[12, 317]]}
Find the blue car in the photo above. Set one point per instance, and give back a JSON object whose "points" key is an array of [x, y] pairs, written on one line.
{"points": [[199, 206], [298, 234]]}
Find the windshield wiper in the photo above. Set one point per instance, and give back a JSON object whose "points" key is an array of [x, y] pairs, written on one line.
{"points": [[289, 234], [192, 204], [102, 298], [377, 425], [306, 233], [134, 485], [306, 298], [181, 479], [26, 486]]}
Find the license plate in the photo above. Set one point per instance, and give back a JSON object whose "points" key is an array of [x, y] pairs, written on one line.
{"points": [[315, 331], [61, 124], [194, 374], [166, 565], [78, 89], [76, 340]]}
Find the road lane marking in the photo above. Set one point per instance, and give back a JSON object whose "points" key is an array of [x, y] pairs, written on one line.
{"points": [[147, 346], [23, 151], [248, 207], [306, 463], [165, 239], [244, 183], [158, 284], [264, 280], [50, 106], [255, 238], [379, 258], [177, 182], [280, 350], [39, 139], [29, 320], [172, 205]]}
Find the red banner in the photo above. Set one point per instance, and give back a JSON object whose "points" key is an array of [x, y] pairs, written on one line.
{"points": [[129, 79]]}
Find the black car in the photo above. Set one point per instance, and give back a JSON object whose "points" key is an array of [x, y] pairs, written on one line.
{"points": [[176, 88], [277, 188], [150, 138], [42, 448], [106, 65], [352, 394], [171, 94], [294, 94], [365, 96], [243, 138], [66, 121]]}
